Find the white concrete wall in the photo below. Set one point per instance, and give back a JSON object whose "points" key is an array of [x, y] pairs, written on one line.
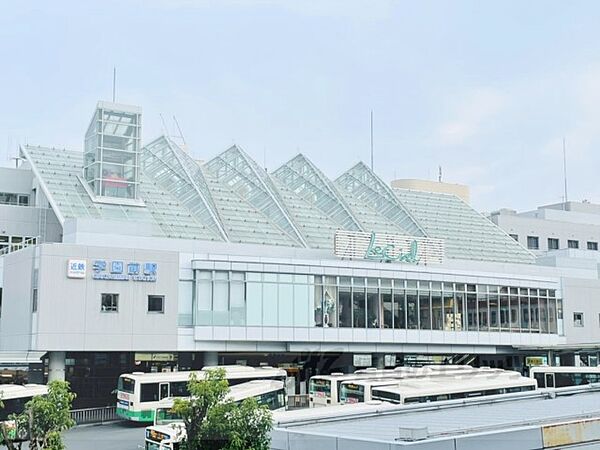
{"points": [[16, 319], [69, 315]]}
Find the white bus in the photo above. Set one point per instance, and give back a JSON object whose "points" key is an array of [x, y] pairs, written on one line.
{"points": [[138, 393], [357, 391], [435, 389], [563, 376], [168, 430], [325, 390], [14, 397]]}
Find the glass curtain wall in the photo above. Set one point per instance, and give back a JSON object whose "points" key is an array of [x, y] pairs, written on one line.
{"points": [[223, 298]]}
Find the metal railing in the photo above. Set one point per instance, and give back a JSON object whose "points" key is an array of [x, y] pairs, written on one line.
{"points": [[297, 401], [94, 415]]}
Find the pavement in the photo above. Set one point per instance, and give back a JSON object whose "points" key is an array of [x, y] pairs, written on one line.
{"points": [[113, 436]]}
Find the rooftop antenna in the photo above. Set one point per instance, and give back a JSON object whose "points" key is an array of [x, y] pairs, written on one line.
{"points": [[180, 132], [114, 83], [440, 174], [565, 171], [371, 140]]}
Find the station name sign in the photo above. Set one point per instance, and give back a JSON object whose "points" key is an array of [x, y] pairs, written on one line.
{"points": [[113, 270], [389, 248]]}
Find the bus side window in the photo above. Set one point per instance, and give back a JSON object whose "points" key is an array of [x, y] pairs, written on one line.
{"points": [[149, 392], [550, 380], [539, 377], [179, 389]]}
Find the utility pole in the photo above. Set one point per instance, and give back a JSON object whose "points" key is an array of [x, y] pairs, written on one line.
{"points": [[565, 171]]}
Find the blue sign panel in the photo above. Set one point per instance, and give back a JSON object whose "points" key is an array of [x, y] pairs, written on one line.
{"points": [[116, 272]]}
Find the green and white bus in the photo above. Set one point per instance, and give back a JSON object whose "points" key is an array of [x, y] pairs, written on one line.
{"points": [[139, 394], [168, 430]]}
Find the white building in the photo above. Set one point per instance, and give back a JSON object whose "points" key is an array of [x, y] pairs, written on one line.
{"points": [[145, 259]]}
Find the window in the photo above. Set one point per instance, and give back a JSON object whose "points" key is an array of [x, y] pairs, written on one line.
{"points": [[592, 245], [552, 244], [533, 242], [110, 303], [573, 244], [515, 237], [156, 303], [148, 391], [578, 319]]}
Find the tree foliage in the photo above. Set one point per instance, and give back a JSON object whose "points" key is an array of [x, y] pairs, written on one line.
{"points": [[214, 422], [45, 418]]}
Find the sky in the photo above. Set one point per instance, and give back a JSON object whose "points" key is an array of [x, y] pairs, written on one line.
{"points": [[485, 89]]}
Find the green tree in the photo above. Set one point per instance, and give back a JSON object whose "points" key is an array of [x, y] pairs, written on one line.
{"points": [[214, 422], [45, 418]]}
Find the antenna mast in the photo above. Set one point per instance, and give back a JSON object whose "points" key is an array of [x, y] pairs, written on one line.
{"points": [[565, 171], [371, 140], [114, 83]]}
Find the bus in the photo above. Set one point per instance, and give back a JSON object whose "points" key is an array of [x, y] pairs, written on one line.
{"points": [[14, 397], [138, 393], [324, 390], [357, 391], [436, 389], [168, 430], [563, 376]]}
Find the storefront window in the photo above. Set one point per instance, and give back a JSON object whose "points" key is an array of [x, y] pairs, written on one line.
{"points": [[225, 298], [436, 308], [424, 308], [412, 309], [399, 305], [534, 311], [358, 303], [345, 307], [373, 312], [449, 304], [483, 310], [387, 305], [472, 312]]}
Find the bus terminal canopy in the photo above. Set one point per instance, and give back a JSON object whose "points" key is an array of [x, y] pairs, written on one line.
{"points": [[12, 360]]}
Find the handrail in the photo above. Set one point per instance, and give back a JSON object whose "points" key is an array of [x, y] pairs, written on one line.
{"points": [[94, 415]]}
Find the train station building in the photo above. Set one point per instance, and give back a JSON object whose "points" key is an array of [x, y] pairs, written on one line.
{"points": [[133, 256]]}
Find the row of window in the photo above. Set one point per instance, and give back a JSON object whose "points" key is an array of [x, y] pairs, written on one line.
{"points": [[11, 198], [287, 300], [109, 302], [533, 243]]}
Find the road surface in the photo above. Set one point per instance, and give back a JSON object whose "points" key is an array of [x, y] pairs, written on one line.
{"points": [[113, 436]]}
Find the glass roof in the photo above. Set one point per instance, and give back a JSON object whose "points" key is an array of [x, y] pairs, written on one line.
{"points": [[367, 187], [466, 233], [231, 198], [302, 177]]}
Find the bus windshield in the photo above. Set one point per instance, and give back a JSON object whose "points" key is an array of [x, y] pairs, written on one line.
{"points": [[165, 416], [321, 388], [352, 393], [126, 385]]}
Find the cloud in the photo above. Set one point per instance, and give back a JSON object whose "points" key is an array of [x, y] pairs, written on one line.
{"points": [[472, 113]]}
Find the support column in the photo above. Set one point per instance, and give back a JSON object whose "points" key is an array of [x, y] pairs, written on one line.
{"points": [[56, 366], [211, 359]]}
